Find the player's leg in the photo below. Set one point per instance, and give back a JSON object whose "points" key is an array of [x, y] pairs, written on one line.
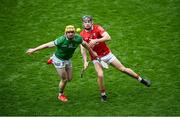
{"points": [[117, 64], [61, 70], [62, 84], [63, 79], [100, 80], [69, 73], [69, 69], [65, 74]]}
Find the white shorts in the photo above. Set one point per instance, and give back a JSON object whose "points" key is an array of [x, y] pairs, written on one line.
{"points": [[109, 58], [58, 63]]}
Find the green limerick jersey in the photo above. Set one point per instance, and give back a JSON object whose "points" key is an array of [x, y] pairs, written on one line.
{"points": [[65, 48]]}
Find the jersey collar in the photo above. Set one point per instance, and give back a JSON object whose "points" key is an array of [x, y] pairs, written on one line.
{"points": [[68, 38]]}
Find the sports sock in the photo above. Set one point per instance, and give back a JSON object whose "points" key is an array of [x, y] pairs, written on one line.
{"points": [[60, 91], [139, 79], [103, 92]]}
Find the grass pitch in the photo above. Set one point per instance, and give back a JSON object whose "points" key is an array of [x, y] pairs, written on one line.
{"points": [[145, 37]]}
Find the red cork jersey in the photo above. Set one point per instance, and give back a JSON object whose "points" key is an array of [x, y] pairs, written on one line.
{"points": [[101, 48]]}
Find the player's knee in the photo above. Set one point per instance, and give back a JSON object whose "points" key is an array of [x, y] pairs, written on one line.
{"points": [[122, 69], [100, 75], [64, 80], [126, 70]]}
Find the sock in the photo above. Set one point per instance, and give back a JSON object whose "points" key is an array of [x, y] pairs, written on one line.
{"points": [[103, 92], [139, 79], [60, 91]]}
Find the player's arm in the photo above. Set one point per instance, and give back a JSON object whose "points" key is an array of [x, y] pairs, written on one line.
{"points": [[105, 37], [84, 53], [84, 56], [43, 46], [86, 45]]}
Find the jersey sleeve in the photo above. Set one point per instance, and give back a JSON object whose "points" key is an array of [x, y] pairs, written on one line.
{"points": [[80, 40], [58, 41], [100, 29], [81, 33]]}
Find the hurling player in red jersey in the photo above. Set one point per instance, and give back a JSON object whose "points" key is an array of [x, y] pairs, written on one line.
{"points": [[96, 36]]}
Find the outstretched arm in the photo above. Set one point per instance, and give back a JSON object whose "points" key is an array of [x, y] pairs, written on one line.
{"points": [[46, 45]]}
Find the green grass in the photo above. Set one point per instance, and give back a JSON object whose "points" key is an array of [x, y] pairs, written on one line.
{"points": [[145, 37]]}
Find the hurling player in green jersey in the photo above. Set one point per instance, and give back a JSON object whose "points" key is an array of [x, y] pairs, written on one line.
{"points": [[66, 45]]}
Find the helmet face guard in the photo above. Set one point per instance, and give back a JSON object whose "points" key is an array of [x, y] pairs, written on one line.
{"points": [[87, 22]]}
